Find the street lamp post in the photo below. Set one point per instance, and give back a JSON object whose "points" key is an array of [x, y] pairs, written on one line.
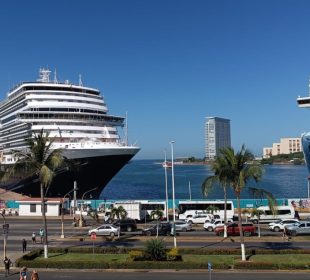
{"points": [[62, 213], [173, 195], [166, 184], [81, 217], [4, 237]]}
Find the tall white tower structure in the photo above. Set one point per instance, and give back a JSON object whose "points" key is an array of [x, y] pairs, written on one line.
{"points": [[217, 136]]}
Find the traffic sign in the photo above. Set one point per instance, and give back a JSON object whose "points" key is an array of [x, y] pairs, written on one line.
{"points": [[93, 235]]}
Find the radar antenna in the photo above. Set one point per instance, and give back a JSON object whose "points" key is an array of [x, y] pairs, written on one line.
{"points": [[55, 77], [44, 75]]}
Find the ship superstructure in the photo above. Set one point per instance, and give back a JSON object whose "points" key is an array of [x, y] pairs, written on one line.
{"points": [[304, 102], [77, 119]]}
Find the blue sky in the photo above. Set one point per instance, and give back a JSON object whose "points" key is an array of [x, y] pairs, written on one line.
{"points": [[171, 63]]}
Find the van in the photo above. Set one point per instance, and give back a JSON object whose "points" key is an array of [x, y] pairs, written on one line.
{"points": [[282, 212]]}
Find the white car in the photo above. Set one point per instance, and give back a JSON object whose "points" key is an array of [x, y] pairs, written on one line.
{"points": [[182, 226], [210, 226], [106, 229], [199, 219], [280, 224]]}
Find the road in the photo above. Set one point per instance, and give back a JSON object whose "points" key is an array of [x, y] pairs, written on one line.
{"points": [[165, 275], [23, 227]]}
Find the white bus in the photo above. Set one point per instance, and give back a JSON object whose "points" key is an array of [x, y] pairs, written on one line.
{"points": [[190, 208], [281, 212], [139, 209]]}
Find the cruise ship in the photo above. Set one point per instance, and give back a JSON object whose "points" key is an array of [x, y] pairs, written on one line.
{"points": [[77, 119]]}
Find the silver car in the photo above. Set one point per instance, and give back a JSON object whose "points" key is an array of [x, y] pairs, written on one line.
{"points": [[182, 226], [106, 229], [301, 228]]}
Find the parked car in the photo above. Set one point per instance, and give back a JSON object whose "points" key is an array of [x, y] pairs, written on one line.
{"points": [[163, 229], [105, 229], [182, 226], [279, 225], [300, 228], [126, 224], [199, 219], [233, 229], [210, 226]]}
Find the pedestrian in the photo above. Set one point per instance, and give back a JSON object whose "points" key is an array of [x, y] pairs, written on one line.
{"points": [[33, 237], [284, 236], [34, 275], [23, 273], [7, 264], [24, 243], [41, 233]]}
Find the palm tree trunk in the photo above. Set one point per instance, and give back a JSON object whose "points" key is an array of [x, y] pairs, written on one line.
{"points": [[225, 212], [44, 222], [240, 229]]}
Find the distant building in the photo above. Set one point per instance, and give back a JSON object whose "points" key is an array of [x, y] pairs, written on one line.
{"points": [[217, 136], [286, 146]]}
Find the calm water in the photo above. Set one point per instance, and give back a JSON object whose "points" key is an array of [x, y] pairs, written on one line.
{"points": [[144, 179]]}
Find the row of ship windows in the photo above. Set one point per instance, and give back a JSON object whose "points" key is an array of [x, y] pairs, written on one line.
{"points": [[26, 134], [12, 103], [69, 116], [66, 89]]}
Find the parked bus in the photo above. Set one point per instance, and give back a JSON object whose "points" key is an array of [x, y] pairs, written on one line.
{"points": [[191, 208], [139, 209], [281, 212]]}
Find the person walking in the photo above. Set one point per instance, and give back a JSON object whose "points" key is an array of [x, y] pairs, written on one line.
{"points": [[41, 233], [34, 275], [33, 237], [7, 264], [23, 273], [24, 244]]}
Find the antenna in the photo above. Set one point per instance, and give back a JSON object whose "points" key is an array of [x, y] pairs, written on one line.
{"points": [[80, 80], [55, 77]]}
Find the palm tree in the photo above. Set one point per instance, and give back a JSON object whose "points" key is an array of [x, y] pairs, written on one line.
{"points": [[219, 178], [41, 161], [118, 213], [157, 214], [245, 213], [237, 173]]}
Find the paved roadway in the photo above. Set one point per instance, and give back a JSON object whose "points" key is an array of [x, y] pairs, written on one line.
{"points": [[164, 275], [23, 227]]}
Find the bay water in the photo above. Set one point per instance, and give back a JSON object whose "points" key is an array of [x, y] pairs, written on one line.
{"points": [[145, 179]]}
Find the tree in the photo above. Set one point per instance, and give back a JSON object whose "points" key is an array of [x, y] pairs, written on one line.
{"points": [[237, 173], [41, 161], [157, 214], [221, 178], [118, 213]]}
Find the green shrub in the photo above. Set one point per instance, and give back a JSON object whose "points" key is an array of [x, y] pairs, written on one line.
{"points": [[155, 249]]}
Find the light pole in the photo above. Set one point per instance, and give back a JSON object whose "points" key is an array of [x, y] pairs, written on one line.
{"points": [[308, 188], [81, 217], [62, 213], [166, 183], [4, 236], [173, 195]]}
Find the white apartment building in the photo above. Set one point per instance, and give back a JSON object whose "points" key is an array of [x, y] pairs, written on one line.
{"points": [[217, 136], [286, 146]]}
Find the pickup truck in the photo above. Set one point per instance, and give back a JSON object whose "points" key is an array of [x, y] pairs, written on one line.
{"points": [[210, 226], [233, 229]]}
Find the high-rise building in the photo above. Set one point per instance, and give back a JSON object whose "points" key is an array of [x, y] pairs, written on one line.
{"points": [[217, 136]]}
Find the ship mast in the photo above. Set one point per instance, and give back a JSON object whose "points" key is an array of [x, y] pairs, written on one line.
{"points": [[44, 75]]}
